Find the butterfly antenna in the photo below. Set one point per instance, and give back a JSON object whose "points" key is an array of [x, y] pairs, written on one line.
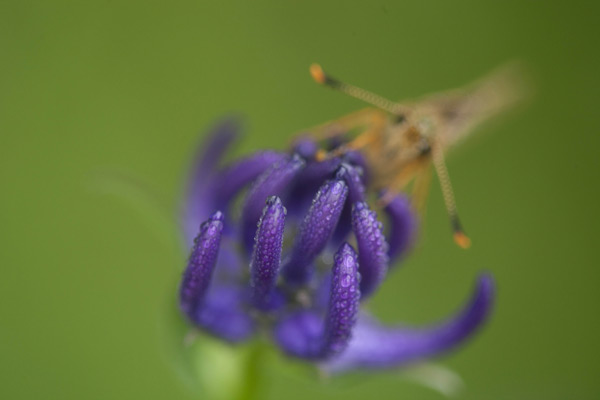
{"points": [[322, 78], [460, 238]]}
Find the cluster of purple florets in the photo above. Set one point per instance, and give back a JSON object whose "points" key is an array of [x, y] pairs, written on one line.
{"points": [[287, 244]]}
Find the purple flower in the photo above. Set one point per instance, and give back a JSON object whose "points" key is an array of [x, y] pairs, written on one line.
{"points": [[282, 260]]}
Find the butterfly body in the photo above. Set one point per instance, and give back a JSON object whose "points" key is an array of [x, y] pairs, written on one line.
{"points": [[402, 140]]}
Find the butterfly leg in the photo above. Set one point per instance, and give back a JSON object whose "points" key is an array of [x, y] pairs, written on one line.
{"points": [[372, 122]]}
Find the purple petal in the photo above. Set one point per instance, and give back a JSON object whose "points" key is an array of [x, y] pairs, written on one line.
{"points": [[357, 159], [343, 228], [272, 182], [320, 298], [403, 225], [219, 139], [318, 172], [308, 182], [356, 192], [343, 303], [198, 273], [199, 199], [236, 176], [305, 147], [300, 334], [266, 257], [303, 334], [352, 176], [316, 230], [372, 248], [222, 314], [230, 265], [376, 346]]}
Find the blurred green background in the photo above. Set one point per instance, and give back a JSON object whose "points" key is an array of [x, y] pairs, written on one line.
{"points": [[126, 86]]}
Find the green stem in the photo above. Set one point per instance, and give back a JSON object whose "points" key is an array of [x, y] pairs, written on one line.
{"points": [[253, 377]]}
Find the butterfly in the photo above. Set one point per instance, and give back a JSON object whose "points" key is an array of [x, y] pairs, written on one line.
{"points": [[402, 141]]}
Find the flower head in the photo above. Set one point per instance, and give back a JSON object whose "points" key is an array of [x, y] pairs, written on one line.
{"points": [[283, 260]]}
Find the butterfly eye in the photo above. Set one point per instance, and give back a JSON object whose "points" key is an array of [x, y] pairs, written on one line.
{"points": [[424, 146], [398, 119]]}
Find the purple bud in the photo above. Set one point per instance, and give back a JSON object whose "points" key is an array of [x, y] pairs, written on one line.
{"points": [[318, 172], [343, 302], [356, 192], [200, 267], [266, 257], [356, 159], [402, 225], [199, 198], [308, 182], [272, 182], [372, 248], [351, 175], [236, 176], [316, 230], [219, 140]]}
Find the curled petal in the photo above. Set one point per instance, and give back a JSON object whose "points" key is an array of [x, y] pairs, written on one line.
{"points": [[372, 248], [266, 258], [222, 314], [304, 334], [318, 172], [376, 346], [352, 176], [357, 159], [199, 198], [308, 182], [198, 273], [273, 182], [343, 303], [356, 193], [402, 225], [316, 230], [236, 176], [220, 137]]}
